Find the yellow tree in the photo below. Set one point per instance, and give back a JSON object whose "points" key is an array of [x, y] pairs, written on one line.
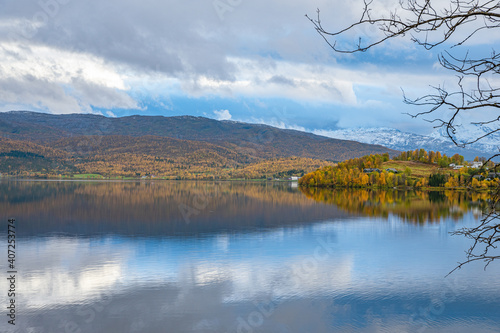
{"points": [[382, 179], [364, 179]]}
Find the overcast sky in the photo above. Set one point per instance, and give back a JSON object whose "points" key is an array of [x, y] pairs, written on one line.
{"points": [[256, 61]]}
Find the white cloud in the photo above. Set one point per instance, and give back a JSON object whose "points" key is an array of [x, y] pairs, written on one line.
{"points": [[58, 81], [259, 51], [147, 55], [278, 123], [222, 115]]}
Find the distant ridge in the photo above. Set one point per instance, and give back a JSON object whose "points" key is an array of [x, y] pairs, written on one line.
{"points": [[139, 145], [267, 141]]}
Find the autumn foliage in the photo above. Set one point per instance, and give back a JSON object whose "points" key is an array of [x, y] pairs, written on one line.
{"points": [[428, 169]]}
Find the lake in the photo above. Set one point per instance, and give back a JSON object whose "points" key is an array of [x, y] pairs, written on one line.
{"points": [[167, 256]]}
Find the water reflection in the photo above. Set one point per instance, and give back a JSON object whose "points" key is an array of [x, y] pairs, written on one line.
{"points": [[155, 208], [412, 206], [303, 266], [342, 276]]}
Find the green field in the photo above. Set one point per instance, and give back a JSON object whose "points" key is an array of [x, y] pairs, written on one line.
{"points": [[87, 176], [418, 170]]}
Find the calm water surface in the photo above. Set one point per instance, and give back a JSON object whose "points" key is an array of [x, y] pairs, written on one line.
{"points": [[241, 257]]}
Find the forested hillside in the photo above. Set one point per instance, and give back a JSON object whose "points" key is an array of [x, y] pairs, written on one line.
{"points": [[417, 168], [35, 144], [257, 140]]}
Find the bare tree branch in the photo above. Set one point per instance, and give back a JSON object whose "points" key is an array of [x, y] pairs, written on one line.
{"points": [[477, 90], [423, 18]]}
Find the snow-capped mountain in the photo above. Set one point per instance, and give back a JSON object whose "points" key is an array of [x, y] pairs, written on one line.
{"points": [[489, 144], [437, 141]]}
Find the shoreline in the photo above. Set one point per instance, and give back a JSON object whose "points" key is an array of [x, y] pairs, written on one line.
{"points": [[333, 188]]}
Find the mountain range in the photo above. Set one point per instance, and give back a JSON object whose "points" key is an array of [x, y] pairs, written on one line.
{"points": [[138, 145], [436, 141]]}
